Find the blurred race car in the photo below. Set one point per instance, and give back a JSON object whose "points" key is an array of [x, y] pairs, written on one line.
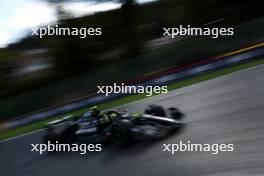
{"points": [[121, 127]]}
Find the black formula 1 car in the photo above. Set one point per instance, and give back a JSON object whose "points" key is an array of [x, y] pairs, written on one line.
{"points": [[121, 127]]}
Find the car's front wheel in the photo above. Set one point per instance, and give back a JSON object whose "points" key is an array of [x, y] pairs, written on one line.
{"points": [[155, 110], [120, 133]]}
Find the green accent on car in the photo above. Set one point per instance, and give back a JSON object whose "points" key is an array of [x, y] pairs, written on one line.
{"points": [[136, 115]]}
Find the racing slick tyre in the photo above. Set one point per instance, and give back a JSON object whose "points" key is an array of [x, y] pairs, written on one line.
{"points": [[175, 113], [50, 136], [120, 132], [67, 135], [155, 110]]}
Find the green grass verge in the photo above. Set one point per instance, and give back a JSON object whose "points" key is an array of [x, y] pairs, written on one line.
{"points": [[128, 99]]}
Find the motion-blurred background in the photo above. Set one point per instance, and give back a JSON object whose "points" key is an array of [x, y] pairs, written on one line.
{"points": [[37, 74]]}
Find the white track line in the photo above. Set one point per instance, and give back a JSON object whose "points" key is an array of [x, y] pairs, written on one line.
{"points": [[21, 135], [216, 21]]}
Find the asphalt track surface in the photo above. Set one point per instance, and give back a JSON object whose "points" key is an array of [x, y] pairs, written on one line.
{"points": [[227, 109]]}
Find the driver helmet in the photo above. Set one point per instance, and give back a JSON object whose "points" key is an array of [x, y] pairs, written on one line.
{"points": [[94, 111]]}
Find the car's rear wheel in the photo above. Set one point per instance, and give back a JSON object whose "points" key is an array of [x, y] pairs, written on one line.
{"points": [[50, 136]]}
